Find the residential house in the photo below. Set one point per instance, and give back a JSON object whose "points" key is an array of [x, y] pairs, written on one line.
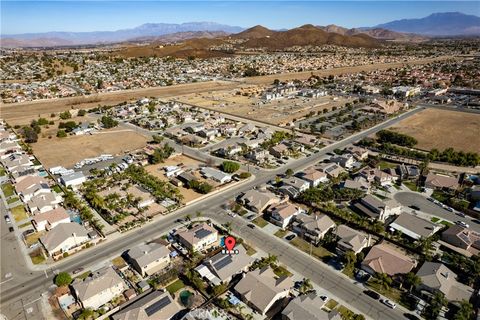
{"points": [[50, 219], [155, 305], [17, 162], [282, 213], [314, 177], [279, 150], [261, 288], [407, 171], [229, 151], [258, 155], [308, 306], [345, 160], [332, 170], [64, 237], [359, 183], [376, 175], [31, 186], [300, 185], [437, 181], [43, 202], [358, 152], [150, 258], [221, 268], [258, 201], [312, 227], [350, 240], [413, 226], [436, 277], [216, 175], [198, 238], [307, 140], [462, 238], [99, 288], [384, 258], [376, 208]]}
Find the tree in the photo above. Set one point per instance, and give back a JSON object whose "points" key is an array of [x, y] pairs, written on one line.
{"points": [[289, 172], [63, 279], [465, 312], [108, 122], [81, 112], [65, 115], [436, 304], [412, 280], [61, 133], [383, 280], [157, 138], [86, 314], [30, 134], [350, 258], [306, 285], [230, 166]]}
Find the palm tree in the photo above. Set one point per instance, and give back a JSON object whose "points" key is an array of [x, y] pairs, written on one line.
{"points": [[383, 280], [465, 312], [412, 280], [306, 285]]}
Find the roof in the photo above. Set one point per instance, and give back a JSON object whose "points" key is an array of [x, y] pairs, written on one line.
{"points": [[197, 233], [313, 175], [100, 280], [156, 305], [27, 182], [52, 216], [295, 182], [224, 265], [257, 199], [384, 258], [144, 254], [413, 226], [437, 276], [467, 236], [373, 202], [307, 307], [42, 200], [73, 176], [261, 286], [62, 232], [350, 238], [320, 223], [284, 209], [441, 181], [215, 174]]}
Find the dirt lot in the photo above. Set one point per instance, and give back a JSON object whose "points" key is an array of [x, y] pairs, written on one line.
{"points": [[68, 151], [157, 171], [29, 110], [276, 112], [441, 129]]}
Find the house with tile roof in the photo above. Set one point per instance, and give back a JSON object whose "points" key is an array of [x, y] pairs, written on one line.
{"points": [[384, 258]]}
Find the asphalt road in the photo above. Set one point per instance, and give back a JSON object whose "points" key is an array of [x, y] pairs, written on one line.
{"points": [[27, 285], [420, 200]]}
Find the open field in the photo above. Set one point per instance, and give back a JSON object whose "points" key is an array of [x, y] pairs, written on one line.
{"points": [[68, 151], [32, 109], [277, 112], [157, 171], [441, 129]]}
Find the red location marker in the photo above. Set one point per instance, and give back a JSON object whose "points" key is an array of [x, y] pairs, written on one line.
{"points": [[230, 243]]}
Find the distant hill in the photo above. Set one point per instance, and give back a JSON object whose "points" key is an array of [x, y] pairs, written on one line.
{"points": [[254, 33], [37, 42], [377, 33], [96, 37], [180, 36], [308, 35], [437, 24]]}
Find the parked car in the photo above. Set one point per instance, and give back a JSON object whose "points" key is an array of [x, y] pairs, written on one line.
{"points": [[7, 219], [290, 237], [462, 224], [11, 229], [324, 298], [251, 226], [461, 214], [414, 207], [410, 316], [78, 270], [388, 303], [372, 294]]}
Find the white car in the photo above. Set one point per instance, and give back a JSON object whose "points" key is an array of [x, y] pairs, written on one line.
{"points": [[462, 224], [388, 303]]}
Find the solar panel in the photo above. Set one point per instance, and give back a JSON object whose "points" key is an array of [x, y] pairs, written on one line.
{"points": [[223, 263], [157, 306], [202, 233]]}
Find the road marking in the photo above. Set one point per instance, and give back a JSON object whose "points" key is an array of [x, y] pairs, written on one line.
{"points": [[26, 304], [11, 278], [46, 275]]}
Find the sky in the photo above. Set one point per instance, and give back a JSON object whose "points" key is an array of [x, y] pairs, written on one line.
{"points": [[43, 16]]}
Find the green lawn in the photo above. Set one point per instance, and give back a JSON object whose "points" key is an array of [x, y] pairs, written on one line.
{"points": [[84, 275], [390, 293], [435, 219], [57, 189], [386, 165], [345, 312], [8, 190], [411, 185], [318, 252], [250, 250], [282, 271], [175, 286], [12, 200], [259, 221], [26, 224], [19, 213], [2, 171], [440, 196], [446, 223], [38, 259], [281, 233]]}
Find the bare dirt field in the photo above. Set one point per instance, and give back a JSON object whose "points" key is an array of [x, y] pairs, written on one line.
{"points": [[277, 112], [441, 129], [28, 110], [68, 151], [157, 171]]}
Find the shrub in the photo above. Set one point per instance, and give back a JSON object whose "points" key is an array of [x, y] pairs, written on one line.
{"points": [[63, 279], [230, 166]]}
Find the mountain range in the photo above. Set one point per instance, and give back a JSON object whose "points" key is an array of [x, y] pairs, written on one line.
{"points": [[437, 24]]}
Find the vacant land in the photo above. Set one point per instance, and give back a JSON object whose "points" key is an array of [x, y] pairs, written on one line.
{"points": [[31, 109], [181, 161], [68, 151], [441, 129]]}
